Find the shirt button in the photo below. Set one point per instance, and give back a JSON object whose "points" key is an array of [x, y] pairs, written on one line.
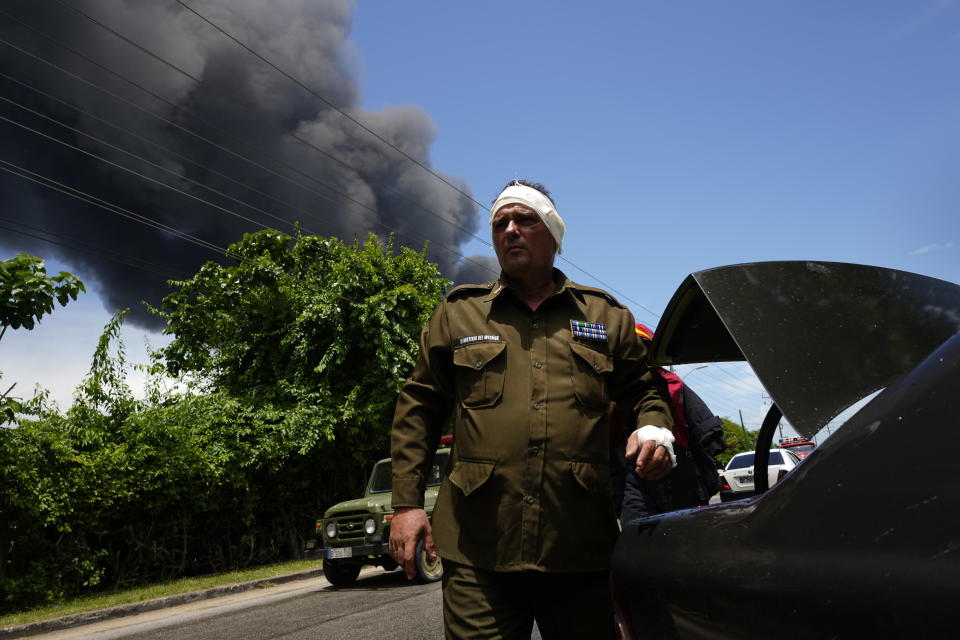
{"points": [[479, 364], [534, 450], [536, 325], [536, 405], [537, 364], [529, 499]]}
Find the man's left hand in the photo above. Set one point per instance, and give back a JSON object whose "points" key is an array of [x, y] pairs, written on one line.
{"points": [[651, 461]]}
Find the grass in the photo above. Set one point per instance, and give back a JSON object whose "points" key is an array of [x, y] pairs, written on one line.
{"points": [[149, 592]]}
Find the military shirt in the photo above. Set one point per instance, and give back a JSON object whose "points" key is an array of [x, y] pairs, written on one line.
{"points": [[528, 483]]}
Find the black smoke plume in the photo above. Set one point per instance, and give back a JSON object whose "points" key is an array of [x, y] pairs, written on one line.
{"points": [[258, 149]]}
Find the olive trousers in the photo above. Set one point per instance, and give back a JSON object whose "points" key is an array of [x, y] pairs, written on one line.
{"points": [[501, 605]]}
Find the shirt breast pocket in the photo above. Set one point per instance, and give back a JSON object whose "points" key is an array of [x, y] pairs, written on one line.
{"points": [[481, 369], [589, 375]]}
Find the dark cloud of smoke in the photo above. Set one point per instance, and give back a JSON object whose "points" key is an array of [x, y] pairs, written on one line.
{"points": [[292, 167]]}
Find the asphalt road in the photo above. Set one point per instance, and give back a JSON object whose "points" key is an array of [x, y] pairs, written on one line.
{"points": [[376, 606], [379, 605]]}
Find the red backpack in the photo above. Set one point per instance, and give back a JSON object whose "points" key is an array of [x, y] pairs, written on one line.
{"points": [[675, 389]]}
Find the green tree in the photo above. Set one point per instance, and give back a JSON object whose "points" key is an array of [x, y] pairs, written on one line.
{"points": [[307, 341], [322, 330], [738, 440], [26, 294], [66, 475]]}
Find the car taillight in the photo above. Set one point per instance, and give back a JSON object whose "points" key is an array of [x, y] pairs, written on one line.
{"points": [[723, 482]]}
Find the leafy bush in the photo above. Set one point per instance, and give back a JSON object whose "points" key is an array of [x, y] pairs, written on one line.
{"points": [[293, 357]]}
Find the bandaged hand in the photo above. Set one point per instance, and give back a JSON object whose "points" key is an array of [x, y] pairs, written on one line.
{"points": [[650, 448]]}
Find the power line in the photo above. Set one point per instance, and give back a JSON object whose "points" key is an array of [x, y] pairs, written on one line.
{"points": [[715, 399], [136, 173], [713, 402], [153, 164], [156, 145], [175, 107], [283, 131], [141, 159], [731, 375], [93, 155], [266, 119], [741, 385], [55, 185], [312, 92], [215, 128], [132, 43], [256, 113], [92, 249]]}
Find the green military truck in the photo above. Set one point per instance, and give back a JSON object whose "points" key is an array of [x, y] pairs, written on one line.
{"points": [[354, 533]]}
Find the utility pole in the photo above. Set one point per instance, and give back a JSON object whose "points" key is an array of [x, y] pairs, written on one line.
{"points": [[746, 436]]}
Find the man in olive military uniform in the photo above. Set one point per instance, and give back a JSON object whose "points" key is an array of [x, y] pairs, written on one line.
{"points": [[524, 522]]}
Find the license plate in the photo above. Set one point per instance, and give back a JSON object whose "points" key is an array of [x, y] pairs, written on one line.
{"points": [[342, 552], [745, 480]]}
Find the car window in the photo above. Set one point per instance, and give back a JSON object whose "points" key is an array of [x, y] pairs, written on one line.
{"points": [[744, 460], [741, 461]]}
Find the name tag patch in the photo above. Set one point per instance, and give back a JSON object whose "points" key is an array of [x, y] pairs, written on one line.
{"points": [[459, 342], [588, 330]]}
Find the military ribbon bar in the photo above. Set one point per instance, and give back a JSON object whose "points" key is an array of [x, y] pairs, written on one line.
{"points": [[588, 330]]}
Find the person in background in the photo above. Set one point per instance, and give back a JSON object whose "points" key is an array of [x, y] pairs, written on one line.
{"points": [[698, 439], [528, 364]]}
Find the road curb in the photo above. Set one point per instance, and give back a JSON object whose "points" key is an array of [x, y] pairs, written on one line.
{"points": [[119, 611]]}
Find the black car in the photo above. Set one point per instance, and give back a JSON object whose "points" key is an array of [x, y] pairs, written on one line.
{"points": [[862, 540]]}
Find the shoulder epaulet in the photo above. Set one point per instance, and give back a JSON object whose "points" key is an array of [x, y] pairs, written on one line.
{"points": [[465, 289], [597, 292]]}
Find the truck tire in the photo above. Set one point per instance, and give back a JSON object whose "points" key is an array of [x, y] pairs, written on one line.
{"points": [[340, 574], [427, 570]]}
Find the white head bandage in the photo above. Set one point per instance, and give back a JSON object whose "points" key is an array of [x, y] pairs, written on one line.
{"points": [[521, 194]]}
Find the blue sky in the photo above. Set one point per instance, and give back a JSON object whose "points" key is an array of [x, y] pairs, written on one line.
{"points": [[675, 136]]}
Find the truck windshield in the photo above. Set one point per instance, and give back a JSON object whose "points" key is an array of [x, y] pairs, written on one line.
{"points": [[381, 480]]}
